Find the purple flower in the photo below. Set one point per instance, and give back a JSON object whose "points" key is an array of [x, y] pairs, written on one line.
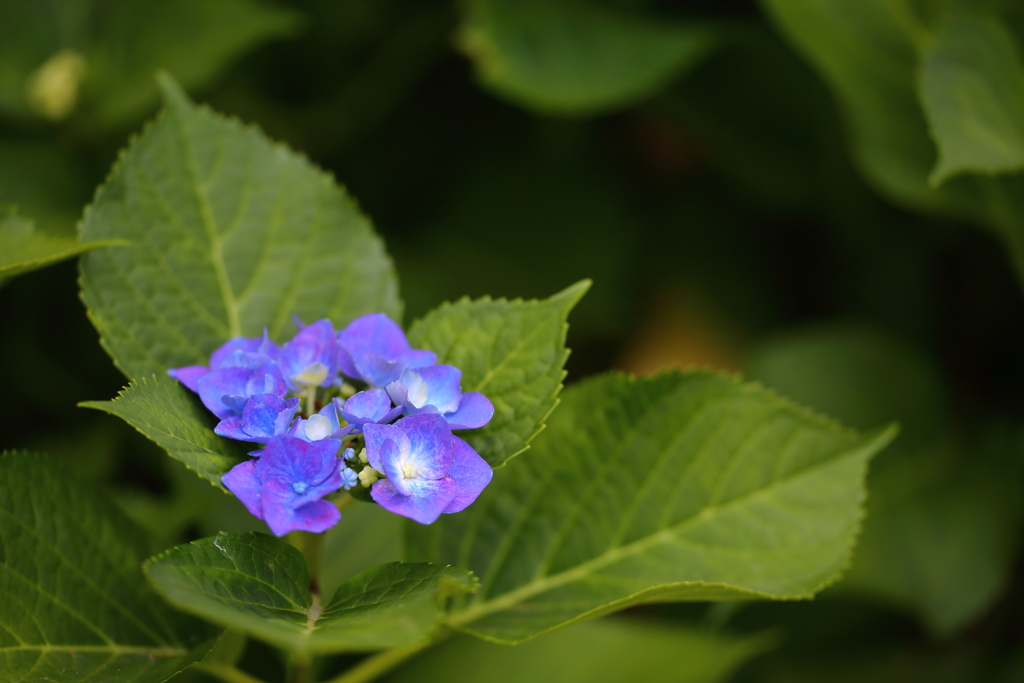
{"points": [[367, 407], [285, 485], [249, 352], [311, 357], [429, 471], [323, 425], [264, 416], [437, 389], [374, 349], [226, 390]]}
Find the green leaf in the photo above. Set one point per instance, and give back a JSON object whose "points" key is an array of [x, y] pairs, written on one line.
{"points": [[230, 233], [684, 486], [99, 57], [972, 88], [572, 57], [513, 352], [22, 249], [870, 62], [259, 585], [608, 650], [942, 533], [943, 522], [858, 374], [170, 415], [73, 603]]}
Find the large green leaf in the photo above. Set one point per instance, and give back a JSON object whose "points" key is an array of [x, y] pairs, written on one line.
{"points": [[972, 88], [604, 651], [98, 56], [684, 486], [259, 585], [74, 604], [943, 520], [513, 352], [866, 56], [568, 56], [230, 233], [171, 416], [22, 249]]}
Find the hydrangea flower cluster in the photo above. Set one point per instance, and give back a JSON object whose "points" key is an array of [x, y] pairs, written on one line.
{"points": [[320, 433]]}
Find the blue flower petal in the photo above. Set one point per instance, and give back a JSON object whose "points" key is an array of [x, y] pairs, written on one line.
{"points": [[391, 461], [283, 517], [266, 415], [374, 349], [245, 483], [365, 406], [311, 357], [471, 473], [216, 384], [376, 434], [426, 503], [442, 388], [189, 375], [475, 410], [430, 444], [231, 428]]}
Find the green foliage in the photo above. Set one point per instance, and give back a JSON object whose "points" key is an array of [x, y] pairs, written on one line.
{"points": [[942, 536], [574, 57], [513, 352], [866, 57], [685, 486], [22, 249], [172, 417], [972, 89], [616, 651], [103, 54], [259, 585], [74, 605], [939, 539], [230, 233]]}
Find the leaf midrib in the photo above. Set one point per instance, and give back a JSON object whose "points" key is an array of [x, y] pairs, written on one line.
{"points": [[613, 555], [210, 226]]}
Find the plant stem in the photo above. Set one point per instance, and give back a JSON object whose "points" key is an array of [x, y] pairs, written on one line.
{"points": [[311, 546], [310, 395], [301, 670], [372, 667], [226, 673], [344, 501]]}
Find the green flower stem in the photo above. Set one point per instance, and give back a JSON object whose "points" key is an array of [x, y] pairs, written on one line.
{"points": [[226, 673], [301, 669], [311, 546], [309, 394], [344, 501]]}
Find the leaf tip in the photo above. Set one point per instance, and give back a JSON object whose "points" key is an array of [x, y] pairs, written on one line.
{"points": [[171, 92]]}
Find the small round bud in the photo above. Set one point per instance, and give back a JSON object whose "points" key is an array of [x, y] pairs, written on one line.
{"points": [[368, 476]]}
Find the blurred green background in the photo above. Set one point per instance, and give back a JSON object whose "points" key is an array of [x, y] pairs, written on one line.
{"points": [[825, 195]]}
